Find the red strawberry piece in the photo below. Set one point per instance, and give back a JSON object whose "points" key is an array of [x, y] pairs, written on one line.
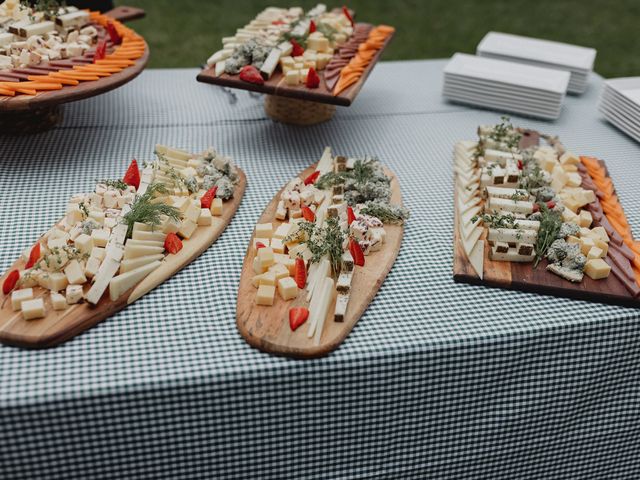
{"points": [[34, 256], [172, 243], [297, 316], [250, 74], [10, 282], [297, 48], [307, 213], [300, 273], [350, 215], [207, 199], [132, 175], [356, 252], [312, 80]]}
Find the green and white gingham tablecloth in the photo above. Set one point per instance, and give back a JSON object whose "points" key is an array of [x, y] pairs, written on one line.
{"points": [[437, 380]]}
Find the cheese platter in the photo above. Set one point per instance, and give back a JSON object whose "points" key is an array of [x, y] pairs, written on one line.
{"points": [[51, 54], [117, 243], [306, 62], [538, 218], [319, 253]]}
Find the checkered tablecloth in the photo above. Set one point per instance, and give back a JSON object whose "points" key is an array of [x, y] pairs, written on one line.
{"points": [[437, 380]]}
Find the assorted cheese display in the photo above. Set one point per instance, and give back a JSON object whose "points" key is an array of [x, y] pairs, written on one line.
{"points": [[519, 201], [301, 45], [48, 47], [111, 239], [322, 230]]}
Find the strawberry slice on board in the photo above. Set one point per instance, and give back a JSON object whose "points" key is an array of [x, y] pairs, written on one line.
{"points": [[132, 175], [297, 316]]}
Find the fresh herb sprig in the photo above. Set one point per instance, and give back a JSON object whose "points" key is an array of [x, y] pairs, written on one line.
{"points": [[114, 183], [386, 212], [321, 242], [550, 224], [143, 210]]}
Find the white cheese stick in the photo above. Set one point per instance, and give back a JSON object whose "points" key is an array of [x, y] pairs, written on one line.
{"points": [[511, 205], [512, 235], [323, 308]]}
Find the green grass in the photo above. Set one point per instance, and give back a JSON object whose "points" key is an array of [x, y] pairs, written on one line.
{"points": [[183, 33]]}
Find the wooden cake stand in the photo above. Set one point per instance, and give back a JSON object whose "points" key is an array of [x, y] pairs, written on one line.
{"points": [[297, 105], [24, 114]]}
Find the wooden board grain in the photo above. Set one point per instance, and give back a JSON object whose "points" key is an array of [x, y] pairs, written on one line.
{"points": [[267, 328], [60, 326], [84, 89], [523, 277], [277, 86]]}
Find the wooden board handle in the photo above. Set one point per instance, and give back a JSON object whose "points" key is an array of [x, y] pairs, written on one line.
{"points": [[126, 14]]}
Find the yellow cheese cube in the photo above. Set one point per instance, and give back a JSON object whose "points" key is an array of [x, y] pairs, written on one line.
{"points": [[586, 244], [32, 309], [597, 269], [287, 288], [98, 252], [264, 230], [92, 267], [216, 207], [279, 270], [192, 213], [601, 233], [575, 180], [205, 217], [58, 301], [74, 294], [282, 231], [267, 278], [257, 266], [585, 219], [84, 243], [570, 217], [182, 203], [572, 239], [602, 245], [19, 296], [569, 158], [595, 252], [187, 227], [265, 257], [99, 237], [265, 295], [277, 245], [292, 77]]}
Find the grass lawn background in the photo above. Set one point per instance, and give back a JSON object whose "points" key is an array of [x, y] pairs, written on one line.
{"points": [[183, 33]]}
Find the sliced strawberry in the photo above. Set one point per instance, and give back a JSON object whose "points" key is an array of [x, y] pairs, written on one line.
{"points": [[312, 80], [300, 273], [10, 282], [536, 208], [250, 74], [551, 204], [34, 256], [297, 48], [356, 252], [350, 215], [312, 26], [347, 14], [311, 179], [207, 199], [307, 213], [297, 316], [172, 243], [114, 36], [132, 175], [101, 50], [260, 245], [520, 165]]}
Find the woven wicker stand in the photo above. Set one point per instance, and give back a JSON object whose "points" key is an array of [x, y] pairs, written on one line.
{"points": [[25, 122], [297, 112]]}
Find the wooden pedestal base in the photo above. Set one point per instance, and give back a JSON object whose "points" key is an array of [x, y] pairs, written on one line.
{"points": [[21, 122], [297, 112]]}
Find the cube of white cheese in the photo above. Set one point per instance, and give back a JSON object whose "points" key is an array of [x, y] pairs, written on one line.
{"points": [[287, 288], [192, 213], [19, 296], [84, 243], [265, 257], [187, 228], [264, 230], [205, 217], [32, 309], [292, 77], [100, 237], [58, 301], [277, 245], [98, 252], [74, 273], [282, 231], [596, 269], [266, 294], [92, 267], [73, 294]]}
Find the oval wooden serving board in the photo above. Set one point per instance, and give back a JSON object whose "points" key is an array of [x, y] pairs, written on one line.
{"points": [[60, 326], [267, 327]]}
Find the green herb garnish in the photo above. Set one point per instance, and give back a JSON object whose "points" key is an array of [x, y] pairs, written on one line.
{"points": [[143, 210], [321, 242], [117, 183], [550, 224], [385, 212]]}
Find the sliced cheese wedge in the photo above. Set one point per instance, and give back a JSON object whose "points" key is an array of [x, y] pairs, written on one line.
{"points": [[133, 263], [476, 258], [101, 281], [470, 242], [120, 284], [134, 251]]}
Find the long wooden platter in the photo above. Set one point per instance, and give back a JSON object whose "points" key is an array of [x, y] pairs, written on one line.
{"points": [[524, 277], [277, 86], [60, 326], [267, 328], [84, 89]]}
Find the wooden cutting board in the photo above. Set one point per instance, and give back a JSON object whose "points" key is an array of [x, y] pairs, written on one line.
{"points": [[267, 327], [522, 276], [277, 86], [60, 326]]}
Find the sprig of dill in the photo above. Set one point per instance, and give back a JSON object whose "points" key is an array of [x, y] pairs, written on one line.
{"points": [[321, 242], [385, 212], [143, 210]]}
